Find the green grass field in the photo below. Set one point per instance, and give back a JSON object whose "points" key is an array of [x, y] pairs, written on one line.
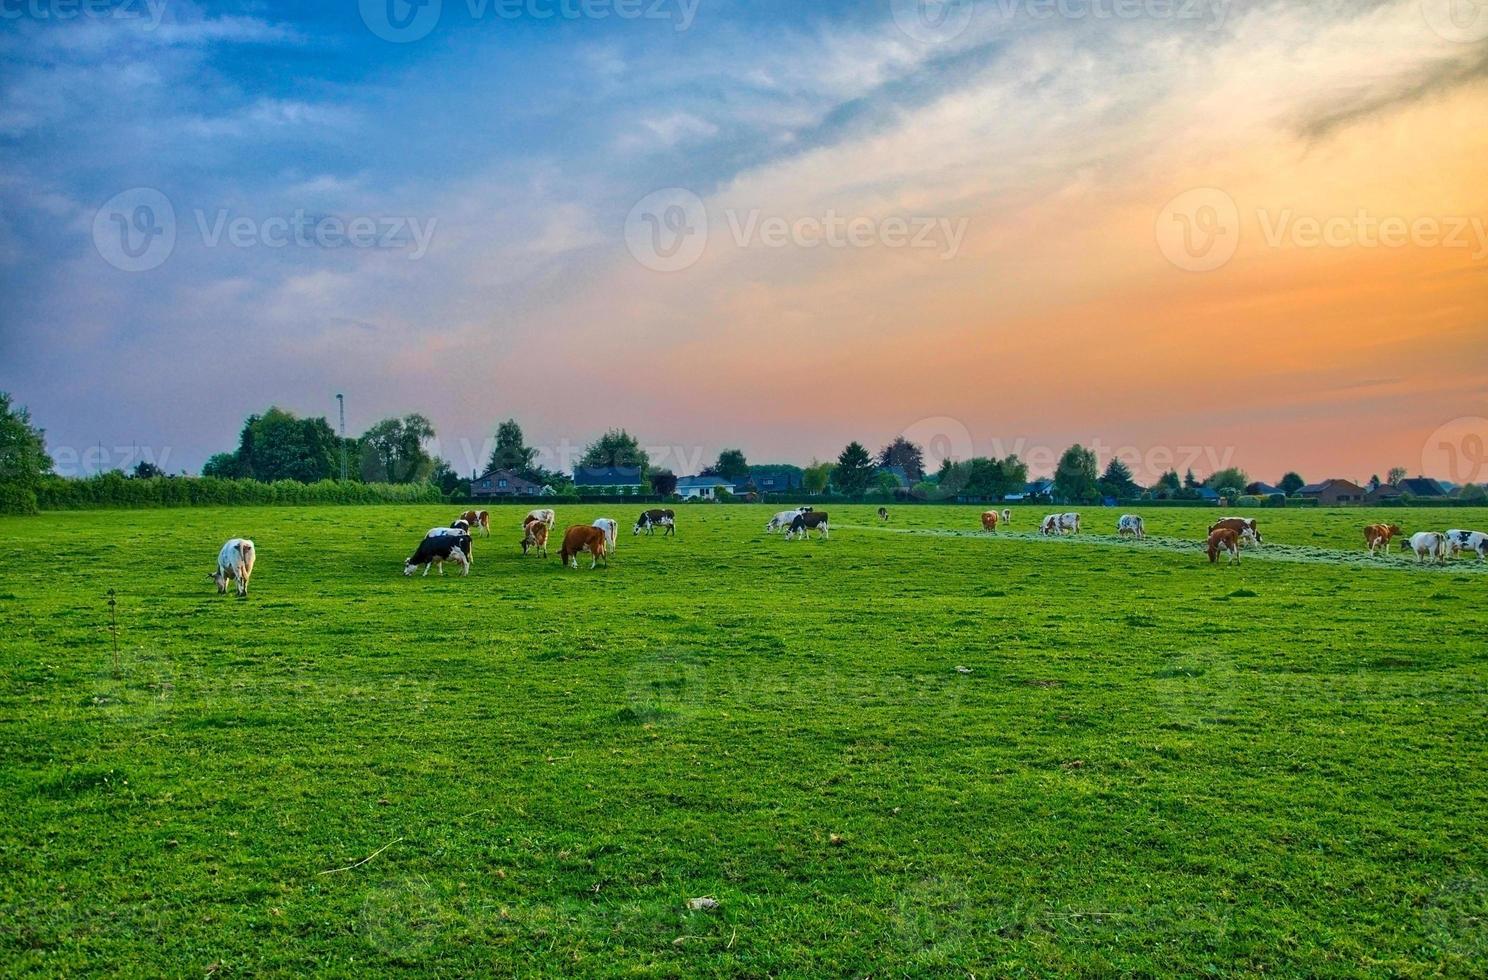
{"points": [[1146, 764]]}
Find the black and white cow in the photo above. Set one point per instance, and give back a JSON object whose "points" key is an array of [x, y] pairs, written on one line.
{"points": [[650, 520], [1459, 541], [811, 520], [436, 550]]}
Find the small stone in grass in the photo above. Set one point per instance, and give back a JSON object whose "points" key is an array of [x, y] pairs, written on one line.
{"points": [[704, 904], [963, 670]]}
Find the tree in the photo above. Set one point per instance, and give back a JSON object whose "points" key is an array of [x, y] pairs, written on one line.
{"points": [[1075, 479], [23, 456], [278, 445], [854, 470], [905, 454], [732, 466], [1169, 482], [1229, 478], [664, 483], [1374, 483], [1117, 480], [1291, 483], [1473, 493], [146, 470], [816, 477], [1191, 482], [395, 450], [511, 452], [447, 480], [616, 448], [1396, 474]]}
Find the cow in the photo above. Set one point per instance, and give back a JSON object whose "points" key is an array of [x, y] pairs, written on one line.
{"points": [[1133, 525], [440, 549], [235, 564], [1429, 544], [1049, 525], [883, 514], [1377, 536], [1007, 518], [478, 518], [1243, 526], [535, 537], [581, 538], [810, 520], [1474, 541], [460, 524], [452, 532], [783, 519], [1224, 539], [611, 528], [543, 514], [650, 520], [989, 521], [1069, 522]]}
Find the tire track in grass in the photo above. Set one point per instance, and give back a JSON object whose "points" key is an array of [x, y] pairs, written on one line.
{"points": [[1296, 554]]}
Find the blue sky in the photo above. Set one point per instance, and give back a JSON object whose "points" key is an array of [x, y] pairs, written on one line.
{"points": [[519, 143]]}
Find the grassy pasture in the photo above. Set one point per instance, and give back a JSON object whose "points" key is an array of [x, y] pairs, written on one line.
{"points": [[1149, 765]]}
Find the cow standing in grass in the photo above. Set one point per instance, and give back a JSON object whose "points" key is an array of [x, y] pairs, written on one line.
{"points": [[650, 520], [1007, 518], [1379, 536], [1473, 541], [235, 564], [1244, 526], [543, 514], [610, 528], [806, 521], [581, 538], [883, 514], [1429, 544], [1224, 539], [1132, 525], [438, 549], [478, 518], [989, 521], [535, 537], [783, 520]]}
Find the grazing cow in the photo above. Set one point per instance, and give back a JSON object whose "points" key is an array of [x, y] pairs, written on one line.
{"points": [[1069, 522], [1007, 518], [783, 519], [452, 532], [810, 520], [440, 549], [1133, 525], [883, 513], [1224, 539], [611, 528], [235, 564], [1474, 541], [478, 518], [650, 520], [581, 538], [1429, 544], [535, 537], [1243, 526], [460, 524], [1378, 536], [989, 521], [1049, 525], [543, 514]]}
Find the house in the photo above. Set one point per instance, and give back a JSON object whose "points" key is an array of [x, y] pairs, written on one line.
{"points": [[703, 487], [613, 479], [503, 483], [1330, 493], [1420, 486], [1035, 491], [1207, 494], [775, 481], [1382, 493], [1259, 489]]}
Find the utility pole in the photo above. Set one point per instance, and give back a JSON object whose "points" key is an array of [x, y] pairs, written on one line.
{"points": [[341, 407]]}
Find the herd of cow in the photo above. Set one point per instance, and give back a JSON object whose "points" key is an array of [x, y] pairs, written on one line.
{"points": [[454, 543]]}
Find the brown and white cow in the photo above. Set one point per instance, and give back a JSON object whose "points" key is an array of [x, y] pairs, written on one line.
{"points": [[535, 537], [1377, 536], [235, 564], [544, 514], [1245, 527], [989, 521], [1224, 539], [478, 518], [581, 538]]}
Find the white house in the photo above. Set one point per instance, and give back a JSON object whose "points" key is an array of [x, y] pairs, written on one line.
{"points": [[702, 487]]}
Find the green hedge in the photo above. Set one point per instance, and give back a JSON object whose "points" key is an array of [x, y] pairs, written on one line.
{"points": [[17, 500], [111, 490]]}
